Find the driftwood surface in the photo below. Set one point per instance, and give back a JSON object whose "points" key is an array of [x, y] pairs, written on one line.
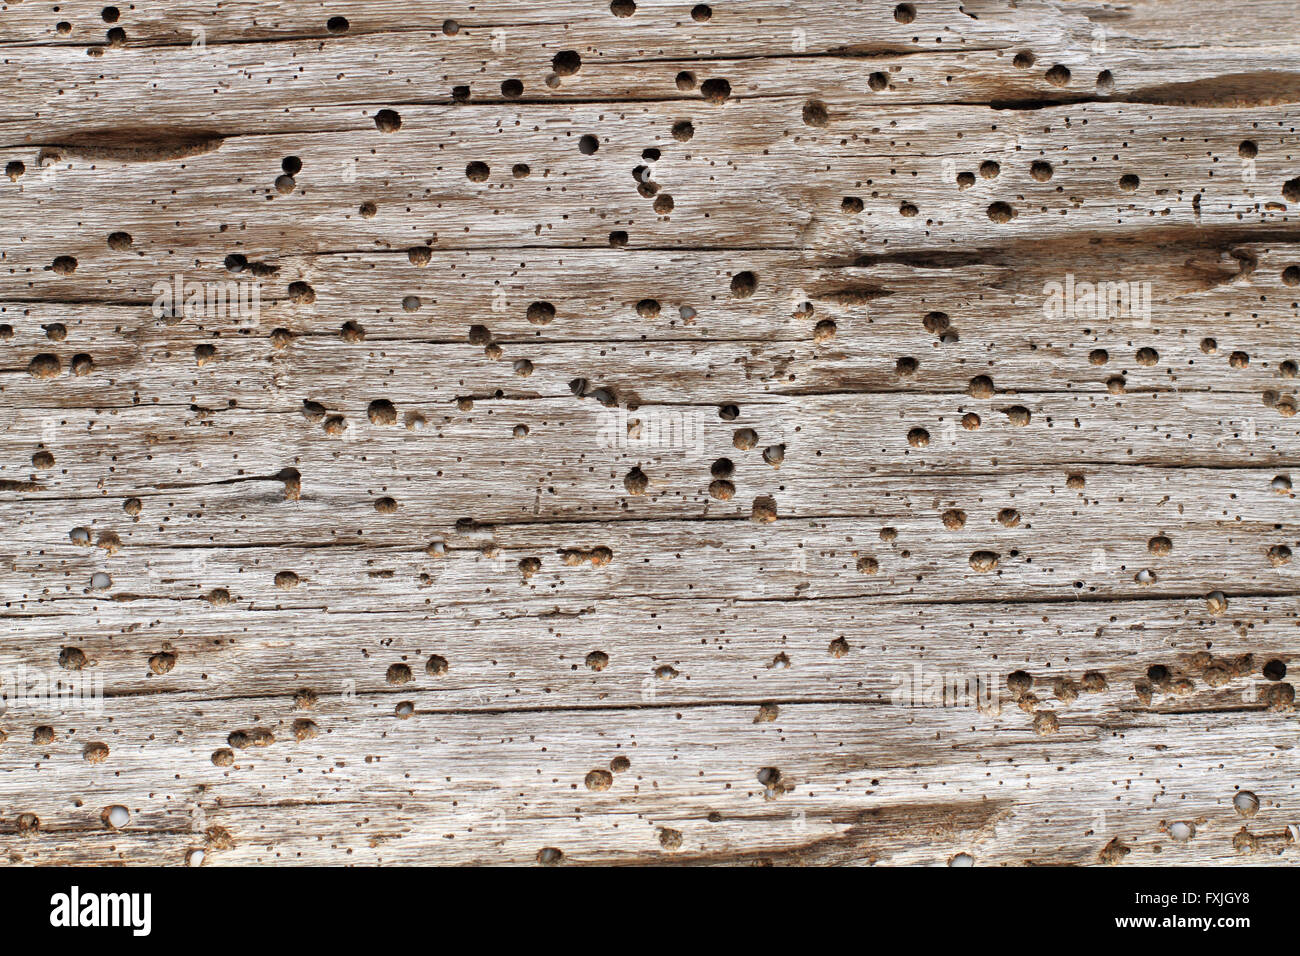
{"points": [[662, 434]]}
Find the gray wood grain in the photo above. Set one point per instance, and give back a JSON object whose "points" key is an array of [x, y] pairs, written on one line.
{"points": [[769, 484]]}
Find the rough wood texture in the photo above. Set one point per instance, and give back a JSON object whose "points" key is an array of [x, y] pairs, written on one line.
{"points": [[660, 434]]}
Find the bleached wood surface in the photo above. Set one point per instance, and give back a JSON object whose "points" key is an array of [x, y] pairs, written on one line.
{"points": [[626, 651]]}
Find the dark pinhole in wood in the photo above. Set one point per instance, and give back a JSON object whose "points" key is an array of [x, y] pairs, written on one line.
{"points": [[388, 121], [512, 88], [398, 674], [716, 90], [588, 144], [1058, 75], [816, 114], [701, 13], [1019, 683], [728, 413], [540, 313], [743, 284], [566, 63], [72, 658], [382, 412], [636, 481], [904, 13], [337, 25], [936, 322], [45, 365]]}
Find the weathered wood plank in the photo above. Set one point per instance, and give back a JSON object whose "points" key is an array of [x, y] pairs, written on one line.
{"points": [[879, 787], [715, 181], [774, 489]]}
